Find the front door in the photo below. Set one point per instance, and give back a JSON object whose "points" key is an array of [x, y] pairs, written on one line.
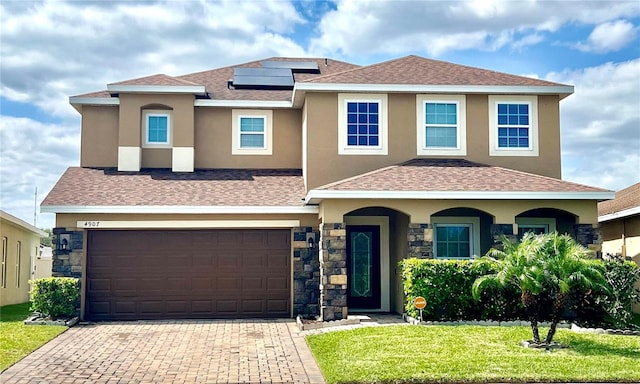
{"points": [[363, 266]]}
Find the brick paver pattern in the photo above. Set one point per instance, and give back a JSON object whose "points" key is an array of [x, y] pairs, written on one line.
{"points": [[185, 351]]}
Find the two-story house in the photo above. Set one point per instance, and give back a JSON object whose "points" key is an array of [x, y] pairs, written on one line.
{"points": [[295, 186]]}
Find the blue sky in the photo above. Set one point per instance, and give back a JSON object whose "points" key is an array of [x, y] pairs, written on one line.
{"points": [[55, 49]]}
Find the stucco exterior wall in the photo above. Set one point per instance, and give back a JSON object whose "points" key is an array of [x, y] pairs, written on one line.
{"points": [[213, 138], [325, 165], [15, 289], [99, 139]]}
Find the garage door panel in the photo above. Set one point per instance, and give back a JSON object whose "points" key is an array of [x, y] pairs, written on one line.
{"points": [[188, 274]]}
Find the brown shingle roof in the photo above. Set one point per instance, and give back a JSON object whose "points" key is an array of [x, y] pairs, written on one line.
{"points": [[216, 80], [159, 79], [419, 70], [220, 187], [625, 199], [454, 175]]}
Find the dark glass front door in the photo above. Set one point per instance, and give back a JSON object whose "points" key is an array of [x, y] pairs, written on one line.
{"points": [[363, 266]]}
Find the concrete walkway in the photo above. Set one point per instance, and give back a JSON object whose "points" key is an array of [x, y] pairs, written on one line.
{"points": [[188, 351]]}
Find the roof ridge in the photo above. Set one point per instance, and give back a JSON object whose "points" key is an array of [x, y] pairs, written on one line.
{"points": [[360, 67]]}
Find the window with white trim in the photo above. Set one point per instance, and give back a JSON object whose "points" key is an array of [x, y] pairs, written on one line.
{"points": [[513, 125], [456, 237], [362, 124], [252, 132], [157, 128], [5, 245], [537, 225], [441, 125], [18, 262]]}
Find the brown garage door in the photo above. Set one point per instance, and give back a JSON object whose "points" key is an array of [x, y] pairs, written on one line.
{"points": [[188, 274]]}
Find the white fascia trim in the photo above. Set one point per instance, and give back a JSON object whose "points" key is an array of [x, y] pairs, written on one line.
{"points": [[422, 88], [619, 215], [195, 89], [177, 209], [186, 224], [315, 196], [94, 100], [242, 103]]}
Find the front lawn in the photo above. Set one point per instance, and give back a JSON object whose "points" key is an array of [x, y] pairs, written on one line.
{"points": [[471, 354], [18, 340]]}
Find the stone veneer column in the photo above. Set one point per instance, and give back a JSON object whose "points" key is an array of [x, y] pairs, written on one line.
{"points": [[67, 263], [333, 271], [420, 240], [306, 272], [589, 236]]}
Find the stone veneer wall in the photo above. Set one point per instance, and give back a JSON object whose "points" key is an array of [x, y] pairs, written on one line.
{"points": [[589, 236], [67, 263], [306, 273], [420, 241], [333, 271]]}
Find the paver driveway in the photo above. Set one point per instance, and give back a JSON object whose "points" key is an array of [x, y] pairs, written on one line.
{"points": [[185, 351]]}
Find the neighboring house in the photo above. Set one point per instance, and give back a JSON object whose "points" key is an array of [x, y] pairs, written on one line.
{"points": [[295, 186], [20, 245], [42, 263], [620, 226]]}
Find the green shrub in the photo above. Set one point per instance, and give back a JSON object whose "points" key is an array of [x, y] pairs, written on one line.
{"points": [[446, 286], [615, 306], [55, 296]]}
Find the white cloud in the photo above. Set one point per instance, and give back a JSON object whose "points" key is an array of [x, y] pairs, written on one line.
{"points": [[53, 49], [34, 154], [601, 125], [370, 27], [609, 37]]}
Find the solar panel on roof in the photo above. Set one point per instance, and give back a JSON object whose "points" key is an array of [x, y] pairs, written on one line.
{"points": [[295, 66], [263, 77]]}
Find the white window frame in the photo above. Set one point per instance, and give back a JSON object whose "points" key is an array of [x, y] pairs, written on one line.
{"points": [[536, 222], [473, 222], [5, 256], [18, 262], [236, 116], [461, 128], [383, 134], [532, 150], [145, 123]]}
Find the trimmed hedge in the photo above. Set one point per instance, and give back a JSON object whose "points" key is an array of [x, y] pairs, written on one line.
{"points": [[55, 296], [446, 285]]}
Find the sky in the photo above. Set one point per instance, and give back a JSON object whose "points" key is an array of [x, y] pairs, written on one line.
{"points": [[50, 50]]}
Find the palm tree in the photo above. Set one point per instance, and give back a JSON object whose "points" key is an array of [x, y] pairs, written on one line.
{"points": [[521, 267], [566, 269]]}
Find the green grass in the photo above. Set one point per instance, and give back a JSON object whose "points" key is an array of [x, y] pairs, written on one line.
{"points": [[18, 340], [471, 354]]}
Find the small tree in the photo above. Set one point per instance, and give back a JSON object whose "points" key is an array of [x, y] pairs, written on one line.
{"points": [[519, 266], [567, 269], [547, 264]]}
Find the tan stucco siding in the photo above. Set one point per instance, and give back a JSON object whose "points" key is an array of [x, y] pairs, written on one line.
{"points": [[16, 286], [615, 233], [156, 158], [130, 119], [325, 165], [213, 141], [99, 138], [420, 211]]}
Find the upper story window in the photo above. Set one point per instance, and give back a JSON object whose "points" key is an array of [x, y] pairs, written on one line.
{"points": [[252, 132], [362, 124], [441, 125], [513, 125], [157, 128]]}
